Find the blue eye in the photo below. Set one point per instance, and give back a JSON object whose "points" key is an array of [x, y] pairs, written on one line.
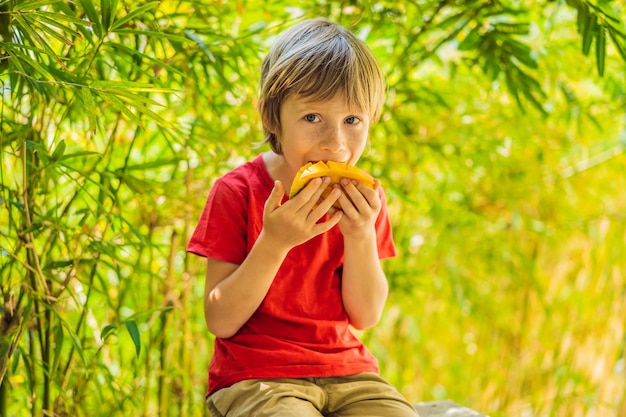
{"points": [[311, 118], [352, 120]]}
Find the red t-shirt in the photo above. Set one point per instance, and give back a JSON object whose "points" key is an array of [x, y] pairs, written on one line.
{"points": [[301, 328]]}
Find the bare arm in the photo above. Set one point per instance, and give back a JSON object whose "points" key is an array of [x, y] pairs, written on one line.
{"points": [[234, 292], [364, 284]]}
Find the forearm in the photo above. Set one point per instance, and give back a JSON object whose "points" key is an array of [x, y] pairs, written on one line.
{"points": [[364, 284], [233, 300]]}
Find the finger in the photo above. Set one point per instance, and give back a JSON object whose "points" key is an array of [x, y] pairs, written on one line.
{"points": [[325, 226], [348, 206], [353, 196], [326, 205], [370, 197], [276, 196], [310, 195]]}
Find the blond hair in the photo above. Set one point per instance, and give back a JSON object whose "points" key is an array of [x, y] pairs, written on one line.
{"points": [[317, 58]]}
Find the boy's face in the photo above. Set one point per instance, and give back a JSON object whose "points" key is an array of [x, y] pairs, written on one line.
{"points": [[314, 131]]}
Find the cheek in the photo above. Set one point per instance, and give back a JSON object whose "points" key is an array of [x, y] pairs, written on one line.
{"points": [[358, 138]]}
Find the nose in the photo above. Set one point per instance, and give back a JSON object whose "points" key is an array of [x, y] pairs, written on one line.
{"points": [[333, 141]]}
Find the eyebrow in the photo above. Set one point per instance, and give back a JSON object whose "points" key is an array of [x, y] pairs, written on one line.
{"points": [[318, 105]]}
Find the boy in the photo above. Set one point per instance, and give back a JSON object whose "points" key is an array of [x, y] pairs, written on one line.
{"points": [[287, 277]]}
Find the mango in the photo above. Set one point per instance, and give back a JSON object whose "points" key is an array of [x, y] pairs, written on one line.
{"points": [[335, 170]]}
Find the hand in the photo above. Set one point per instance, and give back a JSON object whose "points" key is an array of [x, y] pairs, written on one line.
{"points": [[296, 221], [360, 205]]}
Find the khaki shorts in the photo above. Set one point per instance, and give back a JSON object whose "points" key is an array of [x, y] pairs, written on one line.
{"points": [[362, 395]]}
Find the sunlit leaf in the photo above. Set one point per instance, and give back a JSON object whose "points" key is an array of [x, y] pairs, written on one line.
{"points": [[120, 106], [133, 331], [26, 28], [59, 150], [618, 45], [133, 14], [58, 346], [32, 4], [160, 63], [125, 86], [86, 98], [152, 34], [93, 16], [512, 28], [53, 20], [589, 31], [108, 11], [600, 48], [107, 330]]}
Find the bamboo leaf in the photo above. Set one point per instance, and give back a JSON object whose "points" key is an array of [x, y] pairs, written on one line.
{"points": [[59, 150], [105, 7], [119, 105], [23, 61], [44, 23], [620, 48], [57, 265], [600, 48], [78, 155], [108, 330], [153, 164], [81, 25], [58, 345], [533, 100], [131, 51], [16, 357], [115, 86], [588, 32], [606, 13], [133, 331], [471, 41], [32, 4], [109, 8], [126, 99], [512, 28], [133, 14], [581, 17], [93, 16], [145, 313], [89, 104], [511, 84], [152, 34], [57, 17], [26, 28], [445, 23], [73, 336]]}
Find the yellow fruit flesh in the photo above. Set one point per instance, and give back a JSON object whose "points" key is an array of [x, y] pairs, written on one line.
{"points": [[335, 170]]}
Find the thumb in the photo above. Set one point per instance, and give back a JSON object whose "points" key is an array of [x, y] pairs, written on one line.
{"points": [[276, 196]]}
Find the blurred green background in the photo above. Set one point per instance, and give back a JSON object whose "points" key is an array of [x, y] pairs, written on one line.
{"points": [[501, 150]]}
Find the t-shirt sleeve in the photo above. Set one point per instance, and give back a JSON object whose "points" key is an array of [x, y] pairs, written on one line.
{"points": [[221, 229], [384, 235]]}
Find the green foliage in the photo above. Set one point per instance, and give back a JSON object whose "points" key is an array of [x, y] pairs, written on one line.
{"points": [[501, 150]]}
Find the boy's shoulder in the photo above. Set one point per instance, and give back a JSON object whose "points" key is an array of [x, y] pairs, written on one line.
{"points": [[249, 173], [246, 167]]}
